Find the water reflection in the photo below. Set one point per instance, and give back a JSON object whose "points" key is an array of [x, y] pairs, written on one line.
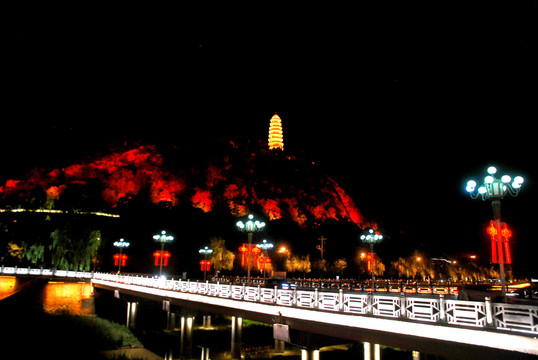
{"points": [[8, 286], [71, 298], [230, 338]]}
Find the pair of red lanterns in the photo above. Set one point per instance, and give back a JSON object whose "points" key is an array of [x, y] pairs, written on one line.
{"points": [[120, 258], [161, 257], [500, 251], [205, 265], [244, 250]]}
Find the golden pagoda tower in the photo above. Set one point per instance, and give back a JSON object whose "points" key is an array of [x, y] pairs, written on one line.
{"points": [[276, 136]]}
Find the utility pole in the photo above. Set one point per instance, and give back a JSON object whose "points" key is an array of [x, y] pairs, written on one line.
{"points": [[321, 247]]}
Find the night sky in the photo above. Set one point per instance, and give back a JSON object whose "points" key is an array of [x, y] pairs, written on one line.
{"points": [[401, 104]]}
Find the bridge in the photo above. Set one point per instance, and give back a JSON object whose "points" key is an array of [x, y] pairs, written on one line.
{"points": [[403, 319], [486, 324]]}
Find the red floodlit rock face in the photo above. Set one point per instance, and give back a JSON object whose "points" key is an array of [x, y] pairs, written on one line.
{"points": [[241, 180]]}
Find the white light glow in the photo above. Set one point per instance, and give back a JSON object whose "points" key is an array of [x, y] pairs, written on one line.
{"points": [[492, 170]]}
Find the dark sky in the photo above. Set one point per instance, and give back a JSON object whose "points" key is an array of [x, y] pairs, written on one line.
{"points": [[402, 103]]}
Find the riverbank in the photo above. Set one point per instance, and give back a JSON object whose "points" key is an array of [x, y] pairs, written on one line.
{"points": [[30, 332]]}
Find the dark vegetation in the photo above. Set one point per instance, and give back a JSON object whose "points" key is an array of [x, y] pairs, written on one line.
{"points": [[27, 332]]}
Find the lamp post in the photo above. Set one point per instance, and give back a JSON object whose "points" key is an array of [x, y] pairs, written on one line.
{"points": [[495, 189], [205, 265], [265, 245], [371, 236], [121, 259], [250, 227], [163, 239]]}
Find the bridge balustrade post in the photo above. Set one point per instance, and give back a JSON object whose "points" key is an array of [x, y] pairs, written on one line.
{"points": [[316, 298], [294, 300], [403, 305], [275, 294], [489, 312], [341, 299], [442, 314]]}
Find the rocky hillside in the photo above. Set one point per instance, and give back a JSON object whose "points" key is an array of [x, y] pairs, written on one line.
{"points": [[240, 177]]}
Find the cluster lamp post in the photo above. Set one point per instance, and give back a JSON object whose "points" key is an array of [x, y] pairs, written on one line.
{"points": [[250, 226], [496, 189], [206, 264], [120, 259], [371, 236], [163, 239]]}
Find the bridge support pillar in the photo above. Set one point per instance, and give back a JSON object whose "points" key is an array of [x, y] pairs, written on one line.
{"points": [[372, 351], [280, 346], [310, 354], [237, 333], [132, 310], [206, 321]]}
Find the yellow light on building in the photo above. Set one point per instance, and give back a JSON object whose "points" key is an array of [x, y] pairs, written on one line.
{"points": [[276, 136]]}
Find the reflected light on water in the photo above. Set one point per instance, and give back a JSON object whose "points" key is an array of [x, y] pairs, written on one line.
{"points": [[73, 298], [7, 286]]}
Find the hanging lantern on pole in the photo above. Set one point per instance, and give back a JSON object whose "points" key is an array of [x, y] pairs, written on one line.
{"points": [[500, 249], [243, 250]]}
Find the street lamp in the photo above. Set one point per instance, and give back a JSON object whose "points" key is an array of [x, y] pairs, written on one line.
{"points": [[265, 245], [205, 263], [250, 227], [120, 260], [371, 236], [495, 189], [163, 239]]}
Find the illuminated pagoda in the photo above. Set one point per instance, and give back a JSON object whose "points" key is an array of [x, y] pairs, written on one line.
{"points": [[276, 136]]}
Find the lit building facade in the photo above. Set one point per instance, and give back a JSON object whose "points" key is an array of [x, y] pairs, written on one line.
{"points": [[276, 136]]}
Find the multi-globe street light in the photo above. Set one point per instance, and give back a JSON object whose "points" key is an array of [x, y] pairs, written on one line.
{"points": [[162, 239], [250, 226], [371, 236], [496, 189], [120, 259], [205, 263]]}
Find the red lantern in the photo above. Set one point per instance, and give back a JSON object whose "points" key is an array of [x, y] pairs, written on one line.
{"points": [[243, 250], [369, 258], [492, 232], [256, 251], [506, 233], [157, 255], [166, 255]]}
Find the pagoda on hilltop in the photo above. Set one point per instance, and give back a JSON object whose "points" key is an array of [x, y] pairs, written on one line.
{"points": [[276, 136]]}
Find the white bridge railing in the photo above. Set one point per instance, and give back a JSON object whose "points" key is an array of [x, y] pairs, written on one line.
{"points": [[5, 270], [487, 315]]}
